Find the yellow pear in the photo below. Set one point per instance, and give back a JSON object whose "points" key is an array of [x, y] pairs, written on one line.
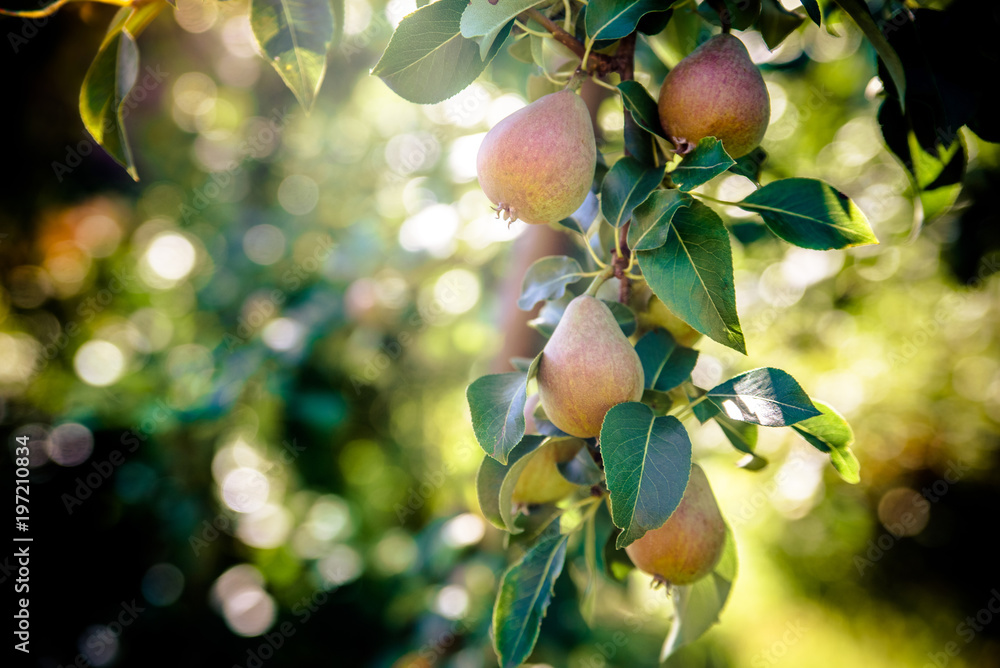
{"points": [[537, 165], [688, 546], [540, 481], [716, 91], [587, 367]]}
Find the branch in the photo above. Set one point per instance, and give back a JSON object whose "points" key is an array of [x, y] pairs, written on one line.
{"points": [[596, 62]]}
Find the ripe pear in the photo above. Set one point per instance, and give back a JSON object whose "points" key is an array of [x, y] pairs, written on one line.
{"points": [[537, 165], [540, 481], [716, 91], [587, 367], [688, 546]]}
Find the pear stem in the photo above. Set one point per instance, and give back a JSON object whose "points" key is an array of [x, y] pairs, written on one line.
{"points": [[599, 280], [724, 18]]}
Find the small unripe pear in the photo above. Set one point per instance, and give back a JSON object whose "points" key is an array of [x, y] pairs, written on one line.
{"points": [[716, 91], [587, 367], [688, 546], [541, 481], [537, 165]]}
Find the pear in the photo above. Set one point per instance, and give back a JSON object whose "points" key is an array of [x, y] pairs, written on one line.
{"points": [[537, 165], [716, 91], [541, 481], [587, 367], [688, 546]]}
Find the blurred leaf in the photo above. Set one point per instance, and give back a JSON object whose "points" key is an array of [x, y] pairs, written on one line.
{"points": [[810, 214], [750, 165], [547, 278], [832, 434], [295, 37], [858, 10], [697, 606], [623, 316], [481, 17], [548, 317], [643, 107], [614, 19], [625, 187], [742, 13], [775, 23], [701, 165], [496, 403], [524, 596], [765, 396], [651, 220], [647, 461], [582, 469], [692, 274], [665, 364], [812, 9], [428, 60]]}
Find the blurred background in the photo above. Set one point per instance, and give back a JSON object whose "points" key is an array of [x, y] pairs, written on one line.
{"points": [[242, 378]]}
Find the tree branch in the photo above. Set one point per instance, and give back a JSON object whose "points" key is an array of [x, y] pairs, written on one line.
{"points": [[597, 62]]}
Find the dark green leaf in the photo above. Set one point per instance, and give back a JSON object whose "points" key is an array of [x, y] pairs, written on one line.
{"points": [[481, 17], [775, 23], [496, 403], [831, 433], [428, 60], [524, 596], [644, 110], [295, 36], [655, 22], [664, 363], [692, 274], [743, 436], [623, 316], [647, 461], [810, 214], [812, 9], [582, 469], [741, 13], [697, 606], [614, 19], [704, 410], [701, 165], [495, 483], [617, 564], [493, 41], [547, 278], [641, 145], [651, 220], [765, 396], [858, 10], [107, 83], [625, 187], [750, 165], [660, 402], [548, 317]]}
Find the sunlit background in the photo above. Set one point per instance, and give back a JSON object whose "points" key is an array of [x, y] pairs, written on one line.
{"points": [[243, 377]]}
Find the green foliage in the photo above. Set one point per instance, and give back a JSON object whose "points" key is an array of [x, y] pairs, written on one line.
{"points": [[647, 461], [642, 106], [768, 397], [617, 18], [626, 186], [701, 165], [497, 406], [831, 433], [547, 279], [665, 364]]}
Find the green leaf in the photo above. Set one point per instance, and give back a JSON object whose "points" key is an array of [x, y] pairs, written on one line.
{"points": [[812, 9], [664, 363], [548, 317], [643, 107], [496, 403], [625, 187], [692, 274], [481, 17], [614, 19], [108, 81], [742, 13], [491, 42], [517, 461], [295, 37], [750, 165], [810, 214], [650, 220], [524, 596], [775, 23], [547, 278], [701, 165], [697, 606], [832, 434], [765, 396], [428, 60], [660, 402], [582, 469], [488, 480], [858, 10], [743, 436], [623, 316], [647, 461]]}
